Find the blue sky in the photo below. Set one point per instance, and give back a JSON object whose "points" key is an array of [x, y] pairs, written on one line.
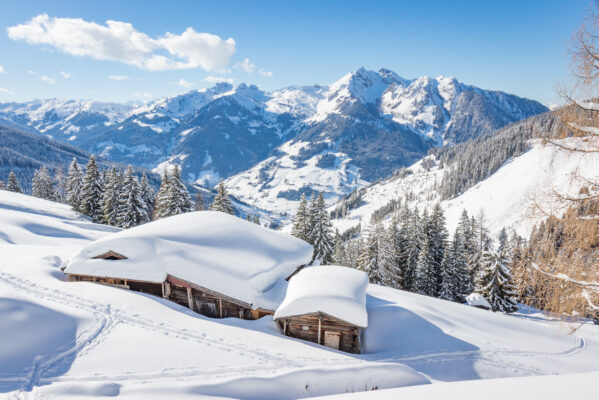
{"points": [[514, 46]]}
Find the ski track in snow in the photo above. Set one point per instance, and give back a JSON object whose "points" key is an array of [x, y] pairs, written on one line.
{"points": [[267, 362]]}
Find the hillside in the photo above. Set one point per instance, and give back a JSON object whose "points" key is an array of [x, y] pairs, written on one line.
{"points": [[501, 175], [104, 341]]}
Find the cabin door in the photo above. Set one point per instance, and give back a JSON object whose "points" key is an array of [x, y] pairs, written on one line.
{"points": [[331, 339]]}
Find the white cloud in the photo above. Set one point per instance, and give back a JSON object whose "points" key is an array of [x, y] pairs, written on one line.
{"points": [[217, 79], [6, 91], [120, 41], [48, 80], [267, 74], [146, 96], [119, 77], [32, 72], [2, 70], [246, 65], [182, 82], [65, 75]]}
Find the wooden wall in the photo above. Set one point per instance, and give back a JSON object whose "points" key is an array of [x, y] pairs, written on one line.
{"points": [[306, 327]]}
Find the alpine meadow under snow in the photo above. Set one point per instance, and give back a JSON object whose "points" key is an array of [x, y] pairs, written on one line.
{"points": [[100, 340]]}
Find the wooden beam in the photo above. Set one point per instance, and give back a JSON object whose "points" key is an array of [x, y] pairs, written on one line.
{"points": [[319, 327], [220, 306], [285, 327], [190, 298]]}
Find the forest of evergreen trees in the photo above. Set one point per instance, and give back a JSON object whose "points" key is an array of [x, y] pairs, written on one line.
{"points": [[119, 198]]}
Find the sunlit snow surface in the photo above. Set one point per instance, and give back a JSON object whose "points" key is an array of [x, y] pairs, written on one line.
{"points": [[83, 340]]}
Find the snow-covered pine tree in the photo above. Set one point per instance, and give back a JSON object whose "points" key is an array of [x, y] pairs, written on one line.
{"points": [[256, 220], [502, 241], [92, 191], [463, 281], [13, 184], [415, 238], [339, 257], [178, 199], [74, 182], [448, 290], [221, 201], [390, 251], [200, 205], [301, 226], [147, 195], [425, 280], [110, 197], [60, 184], [160, 204], [132, 208], [42, 185], [321, 234], [438, 240], [496, 282], [368, 260]]}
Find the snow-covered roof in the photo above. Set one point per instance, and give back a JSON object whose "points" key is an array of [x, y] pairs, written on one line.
{"points": [[211, 249], [337, 291], [477, 300]]}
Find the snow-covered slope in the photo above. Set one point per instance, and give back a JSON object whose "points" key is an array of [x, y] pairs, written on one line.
{"points": [[104, 341], [506, 197]]}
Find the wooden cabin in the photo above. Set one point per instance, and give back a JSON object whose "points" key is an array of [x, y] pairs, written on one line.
{"points": [[326, 305], [241, 274]]}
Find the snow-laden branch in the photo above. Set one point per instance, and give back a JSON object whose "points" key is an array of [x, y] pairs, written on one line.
{"points": [[587, 296], [592, 286]]}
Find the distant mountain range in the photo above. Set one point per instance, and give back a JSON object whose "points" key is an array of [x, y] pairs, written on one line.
{"points": [[279, 144]]}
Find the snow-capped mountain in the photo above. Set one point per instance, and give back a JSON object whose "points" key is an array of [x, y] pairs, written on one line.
{"points": [[368, 122], [367, 125]]}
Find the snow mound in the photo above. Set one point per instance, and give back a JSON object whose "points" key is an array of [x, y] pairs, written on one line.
{"points": [[477, 300], [214, 250], [337, 291]]}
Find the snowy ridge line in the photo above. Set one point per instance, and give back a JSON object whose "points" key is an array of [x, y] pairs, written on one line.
{"points": [[592, 286]]}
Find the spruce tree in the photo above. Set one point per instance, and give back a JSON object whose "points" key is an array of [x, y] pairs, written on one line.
{"points": [[463, 281], [42, 185], [321, 235], [92, 191], [111, 197], [448, 290], [221, 201], [148, 196], [132, 208], [60, 184], [415, 238], [301, 226], [160, 203], [438, 240], [13, 184], [74, 183], [390, 251], [178, 199], [496, 282], [368, 259], [199, 204], [339, 257], [425, 279]]}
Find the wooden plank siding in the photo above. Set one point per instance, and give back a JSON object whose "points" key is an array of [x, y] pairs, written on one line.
{"points": [[312, 327], [203, 301]]}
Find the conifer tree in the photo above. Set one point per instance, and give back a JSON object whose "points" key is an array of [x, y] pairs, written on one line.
{"points": [[92, 191], [13, 184], [60, 184], [178, 199], [74, 183], [200, 205], [496, 282], [463, 281], [132, 208], [425, 279], [438, 241], [368, 260], [391, 250], [221, 201], [415, 238], [42, 185], [339, 257], [256, 220], [301, 227], [110, 197], [448, 290], [320, 233], [147, 195], [160, 203]]}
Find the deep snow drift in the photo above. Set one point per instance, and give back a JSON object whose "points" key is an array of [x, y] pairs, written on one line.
{"points": [[221, 252], [100, 341]]}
